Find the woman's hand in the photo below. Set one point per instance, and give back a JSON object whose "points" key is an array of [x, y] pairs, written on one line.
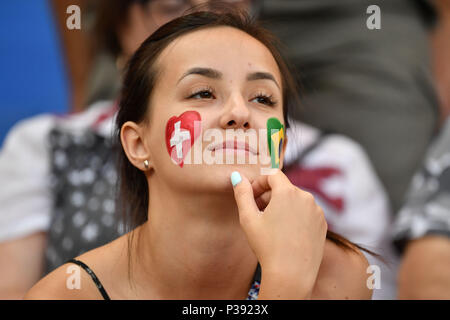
{"points": [[286, 230]]}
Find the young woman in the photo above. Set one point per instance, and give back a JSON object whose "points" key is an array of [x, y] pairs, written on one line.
{"points": [[195, 234]]}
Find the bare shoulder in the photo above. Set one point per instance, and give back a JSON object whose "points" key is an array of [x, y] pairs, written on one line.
{"points": [[342, 274], [70, 281], [66, 282]]}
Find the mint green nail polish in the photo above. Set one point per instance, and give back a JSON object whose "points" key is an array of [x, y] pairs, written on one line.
{"points": [[235, 178]]}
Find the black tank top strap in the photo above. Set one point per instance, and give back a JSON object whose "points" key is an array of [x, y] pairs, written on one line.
{"points": [[257, 275], [93, 276]]}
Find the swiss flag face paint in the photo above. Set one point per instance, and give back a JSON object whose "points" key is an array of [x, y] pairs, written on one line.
{"points": [[181, 135]]}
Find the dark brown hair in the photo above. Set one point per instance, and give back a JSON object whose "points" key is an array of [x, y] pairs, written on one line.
{"points": [[139, 81]]}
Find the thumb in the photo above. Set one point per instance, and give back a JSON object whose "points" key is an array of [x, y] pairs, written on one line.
{"points": [[243, 193]]}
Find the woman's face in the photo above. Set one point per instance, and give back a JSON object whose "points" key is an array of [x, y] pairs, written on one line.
{"points": [[229, 80]]}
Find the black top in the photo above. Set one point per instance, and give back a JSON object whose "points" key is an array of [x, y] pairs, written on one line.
{"points": [[251, 295]]}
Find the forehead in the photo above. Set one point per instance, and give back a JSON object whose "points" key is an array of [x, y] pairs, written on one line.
{"points": [[224, 48]]}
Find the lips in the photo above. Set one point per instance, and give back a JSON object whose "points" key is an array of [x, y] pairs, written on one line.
{"points": [[233, 145]]}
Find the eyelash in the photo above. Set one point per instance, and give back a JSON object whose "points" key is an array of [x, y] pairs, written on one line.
{"points": [[269, 99]]}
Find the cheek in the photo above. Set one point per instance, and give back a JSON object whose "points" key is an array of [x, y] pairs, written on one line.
{"points": [[154, 139], [156, 143]]}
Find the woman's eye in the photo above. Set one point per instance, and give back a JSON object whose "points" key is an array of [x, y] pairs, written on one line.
{"points": [[265, 100], [203, 94]]}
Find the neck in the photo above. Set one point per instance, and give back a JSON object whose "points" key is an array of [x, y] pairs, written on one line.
{"points": [[193, 247]]}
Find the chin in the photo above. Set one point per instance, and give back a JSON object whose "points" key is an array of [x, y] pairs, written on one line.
{"points": [[220, 175], [216, 177]]}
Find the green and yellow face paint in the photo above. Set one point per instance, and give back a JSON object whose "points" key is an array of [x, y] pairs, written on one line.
{"points": [[275, 136]]}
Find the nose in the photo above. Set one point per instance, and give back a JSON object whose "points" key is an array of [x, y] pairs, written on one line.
{"points": [[235, 114]]}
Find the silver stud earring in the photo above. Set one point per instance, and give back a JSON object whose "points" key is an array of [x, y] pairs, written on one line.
{"points": [[146, 164]]}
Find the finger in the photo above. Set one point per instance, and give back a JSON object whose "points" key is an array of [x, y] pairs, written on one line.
{"points": [[260, 185], [243, 193], [265, 183], [263, 200], [278, 180]]}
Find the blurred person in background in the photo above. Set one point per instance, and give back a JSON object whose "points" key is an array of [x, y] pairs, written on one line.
{"points": [[422, 228], [441, 56]]}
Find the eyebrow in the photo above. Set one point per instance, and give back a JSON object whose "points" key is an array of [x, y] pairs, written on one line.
{"points": [[216, 74], [206, 72], [262, 76]]}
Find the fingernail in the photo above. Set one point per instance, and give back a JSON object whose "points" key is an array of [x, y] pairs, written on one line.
{"points": [[235, 178]]}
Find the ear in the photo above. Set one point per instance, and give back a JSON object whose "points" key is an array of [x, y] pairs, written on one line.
{"points": [[283, 150], [137, 151]]}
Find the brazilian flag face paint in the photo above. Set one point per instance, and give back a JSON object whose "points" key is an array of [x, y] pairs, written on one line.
{"points": [[275, 136]]}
